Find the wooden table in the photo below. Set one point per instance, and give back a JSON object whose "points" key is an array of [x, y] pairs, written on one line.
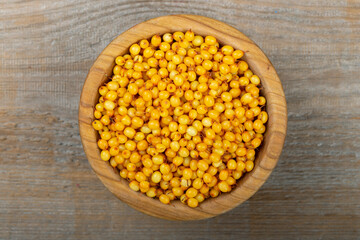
{"points": [[47, 188]]}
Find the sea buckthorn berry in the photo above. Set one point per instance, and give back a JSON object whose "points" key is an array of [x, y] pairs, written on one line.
{"points": [[224, 186], [224, 68], [210, 40], [156, 40], [203, 165], [198, 40], [135, 49], [214, 192], [105, 155], [156, 177], [189, 35], [223, 175], [131, 167], [207, 64], [144, 43], [228, 60], [263, 117], [207, 178], [213, 182], [192, 202], [207, 122], [187, 173], [255, 80], [243, 66], [151, 192], [191, 192], [177, 191], [258, 124], [248, 73], [109, 105], [120, 60], [164, 199], [103, 144], [249, 165], [231, 164], [256, 142], [200, 197], [241, 151], [237, 54], [192, 131], [261, 100], [114, 151], [226, 97], [97, 125], [134, 185], [227, 50], [178, 36], [130, 145]]}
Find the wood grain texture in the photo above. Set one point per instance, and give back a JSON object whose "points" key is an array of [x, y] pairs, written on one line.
{"points": [[272, 89], [47, 188]]}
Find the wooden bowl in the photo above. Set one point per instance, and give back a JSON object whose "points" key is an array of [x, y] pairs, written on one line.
{"points": [[266, 158]]}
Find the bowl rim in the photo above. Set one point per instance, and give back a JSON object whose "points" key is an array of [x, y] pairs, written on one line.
{"points": [[266, 158]]}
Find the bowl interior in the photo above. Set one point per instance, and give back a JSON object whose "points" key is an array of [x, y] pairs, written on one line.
{"points": [[266, 158]]}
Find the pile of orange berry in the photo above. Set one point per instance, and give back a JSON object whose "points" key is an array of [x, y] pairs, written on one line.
{"points": [[181, 118]]}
